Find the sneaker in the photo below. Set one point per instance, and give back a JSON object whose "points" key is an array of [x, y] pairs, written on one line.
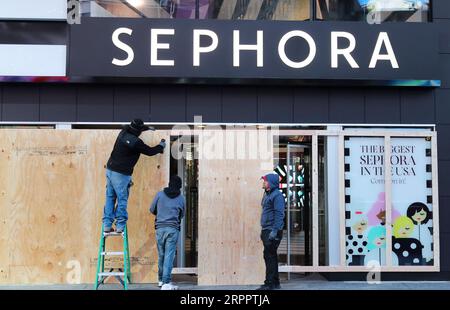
{"points": [[119, 230], [160, 283], [169, 286], [108, 230]]}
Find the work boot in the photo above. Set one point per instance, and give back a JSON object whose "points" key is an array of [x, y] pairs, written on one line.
{"points": [[269, 287], [263, 287]]}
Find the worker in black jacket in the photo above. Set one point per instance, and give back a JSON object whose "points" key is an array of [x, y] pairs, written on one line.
{"points": [[126, 152]]}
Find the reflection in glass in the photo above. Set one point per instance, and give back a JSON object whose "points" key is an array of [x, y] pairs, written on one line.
{"points": [[203, 9], [256, 9], [374, 11], [185, 9]]}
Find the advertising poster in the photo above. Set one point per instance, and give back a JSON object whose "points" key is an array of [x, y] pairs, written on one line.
{"points": [[412, 229]]}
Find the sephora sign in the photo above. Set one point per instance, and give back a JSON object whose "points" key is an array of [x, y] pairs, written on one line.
{"points": [[213, 49]]}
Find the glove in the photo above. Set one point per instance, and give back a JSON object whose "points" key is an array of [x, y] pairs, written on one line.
{"points": [[162, 143], [273, 235]]}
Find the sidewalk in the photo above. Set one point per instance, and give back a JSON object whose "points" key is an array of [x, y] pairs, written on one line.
{"points": [[308, 283]]}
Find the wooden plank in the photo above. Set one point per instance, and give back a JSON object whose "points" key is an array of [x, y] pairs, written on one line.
{"points": [[435, 193], [229, 247], [388, 198], [315, 200], [302, 269], [52, 185], [341, 160]]}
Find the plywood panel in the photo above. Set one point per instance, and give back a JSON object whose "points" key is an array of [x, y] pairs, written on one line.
{"points": [[230, 250], [52, 188]]}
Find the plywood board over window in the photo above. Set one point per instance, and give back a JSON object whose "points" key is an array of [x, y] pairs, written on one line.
{"points": [[230, 251], [52, 188]]}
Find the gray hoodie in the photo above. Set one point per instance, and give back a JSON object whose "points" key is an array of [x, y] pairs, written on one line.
{"points": [[168, 211]]}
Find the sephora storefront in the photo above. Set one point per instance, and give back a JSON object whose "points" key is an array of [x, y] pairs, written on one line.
{"points": [[347, 101]]}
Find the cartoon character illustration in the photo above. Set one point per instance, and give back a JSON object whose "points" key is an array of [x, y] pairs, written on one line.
{"points": [[356, 241], [360, 225], [403, 227], [382, 216], [407, 249], [420, 215], [377, 247], [377, 212]]}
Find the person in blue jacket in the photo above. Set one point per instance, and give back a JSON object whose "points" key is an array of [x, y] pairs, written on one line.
{"points": [[272, 221]]}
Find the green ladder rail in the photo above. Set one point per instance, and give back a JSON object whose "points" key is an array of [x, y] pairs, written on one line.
{"points": [[122, 275]]}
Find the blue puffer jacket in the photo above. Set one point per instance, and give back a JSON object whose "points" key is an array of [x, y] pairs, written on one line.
{"points": [[272, 217]]}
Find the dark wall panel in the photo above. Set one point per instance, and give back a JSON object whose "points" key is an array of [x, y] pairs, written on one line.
{"points": [[58, 103], [417, 106], [130, 102], [21, 103], [382, 106], [168, 103], [311, 105], [442, 106], [441, 8], [95, 103], [444, 35], [445, 251], [239, 104], [444, 65], [443, 142], [444, 180], [444, 214], [205, 102], [275, 104], [346, 105]]}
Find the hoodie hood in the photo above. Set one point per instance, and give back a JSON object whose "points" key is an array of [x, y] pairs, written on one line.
{"points": [[174, 188], [273, 180]]}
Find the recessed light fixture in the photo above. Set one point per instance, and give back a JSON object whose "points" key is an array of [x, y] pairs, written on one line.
{"points": [[136, 3]]}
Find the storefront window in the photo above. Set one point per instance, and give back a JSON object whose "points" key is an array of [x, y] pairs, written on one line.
{"points": [[185, 9], [411, 201], [374, 11], [253, 10], [371, 11], [357, 201], [201, 9]]}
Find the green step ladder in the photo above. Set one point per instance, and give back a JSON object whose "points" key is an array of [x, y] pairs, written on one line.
{"points": [[122, 275]]}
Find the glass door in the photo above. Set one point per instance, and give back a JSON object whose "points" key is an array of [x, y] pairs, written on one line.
{"points": [[298, 204]]}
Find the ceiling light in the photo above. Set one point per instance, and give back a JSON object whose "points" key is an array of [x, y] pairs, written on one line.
{"points": [[136, 3]]}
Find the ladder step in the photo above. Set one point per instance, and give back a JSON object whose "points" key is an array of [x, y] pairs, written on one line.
{"points": [[110, 274], [112, 253]]}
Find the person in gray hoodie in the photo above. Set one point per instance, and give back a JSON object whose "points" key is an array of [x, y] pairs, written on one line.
{"points": [[169, 208], [272, 221]]}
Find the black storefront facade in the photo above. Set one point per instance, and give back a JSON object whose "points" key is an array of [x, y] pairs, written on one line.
{"points": [[318, 76]]}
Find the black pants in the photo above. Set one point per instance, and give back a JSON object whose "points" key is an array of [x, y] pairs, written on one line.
{"points": [[270, 257]]}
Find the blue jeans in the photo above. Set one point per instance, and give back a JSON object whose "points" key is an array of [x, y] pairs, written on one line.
{"points": [[117, 190], [166, 239]]}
